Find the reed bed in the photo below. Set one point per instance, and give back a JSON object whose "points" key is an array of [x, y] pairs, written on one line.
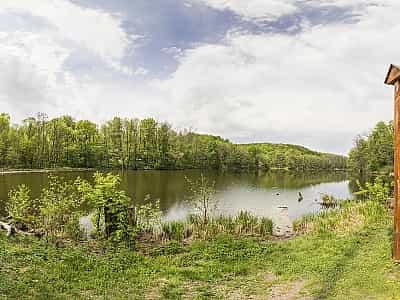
{"points": [[243, 224]]}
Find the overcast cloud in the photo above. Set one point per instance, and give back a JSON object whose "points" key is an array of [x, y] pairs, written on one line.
{"points": [[308, 72]]}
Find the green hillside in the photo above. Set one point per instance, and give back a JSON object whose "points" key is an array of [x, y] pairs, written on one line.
{"points": [[40, 142], [294, 157]]}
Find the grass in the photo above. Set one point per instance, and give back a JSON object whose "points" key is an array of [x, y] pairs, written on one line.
{"points": [[342, 254], [244, 224]]}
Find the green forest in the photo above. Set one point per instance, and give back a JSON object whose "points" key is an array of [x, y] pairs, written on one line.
{"points": [[373, 153], [40, 142]]}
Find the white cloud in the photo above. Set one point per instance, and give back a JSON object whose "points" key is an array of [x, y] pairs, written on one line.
{"points": [[140, 71], [319, 88], [346, 3], [32, 70], [255, 9], [34, 75], [173, 51], [98, 31], [270, 10]]}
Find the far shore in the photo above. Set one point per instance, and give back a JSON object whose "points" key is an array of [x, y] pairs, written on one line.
{"points": [[26, 171], [61, 169]]}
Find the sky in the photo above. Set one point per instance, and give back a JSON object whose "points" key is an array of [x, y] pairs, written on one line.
{"points": [[306, 72]]}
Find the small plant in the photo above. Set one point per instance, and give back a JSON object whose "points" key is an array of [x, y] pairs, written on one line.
{"points": [[148, 216], [202, 192], [174, 231], [246, 222], [328, 201], [265, 227], [225, 224]]}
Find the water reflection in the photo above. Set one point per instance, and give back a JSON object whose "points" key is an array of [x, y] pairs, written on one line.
{"points": [[259, 193]]}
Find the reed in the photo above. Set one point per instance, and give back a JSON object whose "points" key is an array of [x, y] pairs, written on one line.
{"points": [[244, 224]]}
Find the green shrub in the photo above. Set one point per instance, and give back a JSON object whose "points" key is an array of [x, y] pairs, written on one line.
{"points": [[201, 198], [329, 201], [55, 213], [378, 191], [22, 209], [60, 209], [111, 207], [148, 216]]}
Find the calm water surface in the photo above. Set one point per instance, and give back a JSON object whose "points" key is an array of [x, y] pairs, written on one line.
{"points": [[259, 193]]}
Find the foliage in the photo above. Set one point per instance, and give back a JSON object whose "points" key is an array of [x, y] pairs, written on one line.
{"points": [[328, 201], [375, 152], [378, 191], [60, 209], [148, 216], [22, 210], [350, 216], [293, 157], [40, 142], [202, 192], [111, 206], [55, 213]]}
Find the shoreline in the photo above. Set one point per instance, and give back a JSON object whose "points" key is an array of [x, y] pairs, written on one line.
{"points": [[47, 170], [28, 171]]}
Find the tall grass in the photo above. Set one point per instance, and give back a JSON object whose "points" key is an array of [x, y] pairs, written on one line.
{"points": [[243, 224], [351, 215]]}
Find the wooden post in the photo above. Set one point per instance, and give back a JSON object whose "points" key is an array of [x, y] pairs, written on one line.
{"points": [[393, 78], [396, 231]]}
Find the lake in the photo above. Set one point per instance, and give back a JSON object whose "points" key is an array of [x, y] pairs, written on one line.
{"points": [[259, 193]]}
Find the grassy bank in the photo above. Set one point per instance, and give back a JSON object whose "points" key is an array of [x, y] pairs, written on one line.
{"points": [[338, 255]]}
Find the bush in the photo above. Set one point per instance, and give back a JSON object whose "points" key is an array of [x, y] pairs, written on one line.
{"points": [[21, 209], [148, 216], [378, 191], [329, 201], [202, 192], [110, 205], [60, 210], [55, 213]]}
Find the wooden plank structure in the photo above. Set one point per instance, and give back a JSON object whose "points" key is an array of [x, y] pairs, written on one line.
{"points": [[393, 78]]}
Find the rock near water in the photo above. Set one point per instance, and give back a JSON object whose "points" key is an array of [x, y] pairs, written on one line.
{"points": [[282, 226]]}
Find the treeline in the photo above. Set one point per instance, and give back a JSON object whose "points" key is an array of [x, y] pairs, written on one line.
{"points": [[40, 142], [374, 153], [294, 157]]}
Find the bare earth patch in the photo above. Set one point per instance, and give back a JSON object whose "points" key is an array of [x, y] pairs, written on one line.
{"points": [[289, 291]]}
